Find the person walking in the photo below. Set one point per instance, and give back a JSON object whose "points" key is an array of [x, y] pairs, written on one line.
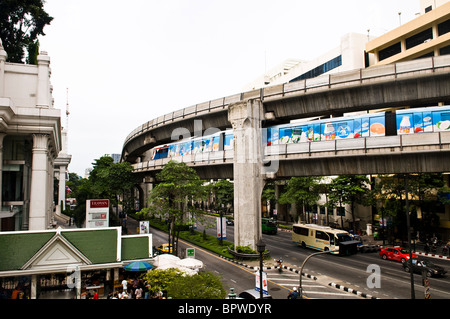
{"points": [[293, 294]]}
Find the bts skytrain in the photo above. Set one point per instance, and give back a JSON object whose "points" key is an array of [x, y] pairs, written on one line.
{"points": [[406, 121]]}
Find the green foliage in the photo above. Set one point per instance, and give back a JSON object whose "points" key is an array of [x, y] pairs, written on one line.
{"points": [[301, 190], [160, 279], [245, 250], [223, 191], [107, 180], [204, 285], [21, 22], [177, 285], [349, 189], [178, 185]]}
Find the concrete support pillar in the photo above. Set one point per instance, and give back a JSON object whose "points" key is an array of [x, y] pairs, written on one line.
{"points": [[245, 118], [39, 186]]}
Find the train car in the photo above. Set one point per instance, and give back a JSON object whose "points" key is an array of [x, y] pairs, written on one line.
{"points": [[211, 143], [371, 124], [423, 120], [407, 121]]}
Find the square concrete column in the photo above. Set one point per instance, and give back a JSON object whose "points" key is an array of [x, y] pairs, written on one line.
{"points": [[39, 183], [246, 118]]}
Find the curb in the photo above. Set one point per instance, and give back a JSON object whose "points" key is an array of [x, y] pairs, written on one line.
{"points": [[432, 255], [268, 268], [353, 291], [332, 284]]}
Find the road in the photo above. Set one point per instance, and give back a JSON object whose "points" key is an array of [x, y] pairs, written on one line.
{"points": [[354, 271], [350, 272]]}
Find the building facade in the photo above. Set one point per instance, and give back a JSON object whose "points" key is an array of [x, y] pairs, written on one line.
{"points": [[349, 55], [30, 146], [426, 36]]}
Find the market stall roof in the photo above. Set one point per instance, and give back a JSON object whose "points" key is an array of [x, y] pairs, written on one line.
{"points": [[51, 251]]}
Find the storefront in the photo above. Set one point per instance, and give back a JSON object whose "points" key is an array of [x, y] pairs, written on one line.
{"points": [[66, 264]]}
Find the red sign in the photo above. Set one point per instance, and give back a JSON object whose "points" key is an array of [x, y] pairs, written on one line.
{"points": [[100, 203]]}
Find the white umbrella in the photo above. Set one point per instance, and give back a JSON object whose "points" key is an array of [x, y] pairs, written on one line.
{"points": [[187, 271], [165, 259], [190, 263]]}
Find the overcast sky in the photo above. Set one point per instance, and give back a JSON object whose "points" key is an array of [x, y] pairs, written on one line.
{"points": [[127, 62]]}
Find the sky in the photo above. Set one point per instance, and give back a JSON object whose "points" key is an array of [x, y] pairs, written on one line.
{"points": [[120, 64]]}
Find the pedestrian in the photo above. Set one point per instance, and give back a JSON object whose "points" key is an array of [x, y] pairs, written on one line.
{"points": [[124, 284], [293, 294], [95, 295], [147, 290], [138, 293]]}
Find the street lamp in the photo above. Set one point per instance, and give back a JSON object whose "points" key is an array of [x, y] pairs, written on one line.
{"points": [[300, 288], [261, 247]]}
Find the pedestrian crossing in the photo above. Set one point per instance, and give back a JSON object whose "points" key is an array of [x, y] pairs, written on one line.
{"points": [[311, 288]]}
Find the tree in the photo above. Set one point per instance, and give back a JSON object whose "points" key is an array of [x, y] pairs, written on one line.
{"points": [[178, 186], [224, 194], [21, 22], [107, 180], [301, 190], [425, 193], [349, 189], [160, 279], [204, 285]]}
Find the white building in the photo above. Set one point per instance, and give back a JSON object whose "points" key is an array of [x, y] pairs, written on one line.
{"points": [[31, 146], [349, 55]]}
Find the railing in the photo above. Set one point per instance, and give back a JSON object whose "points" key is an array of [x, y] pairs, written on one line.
{"points": [[359, 76]]}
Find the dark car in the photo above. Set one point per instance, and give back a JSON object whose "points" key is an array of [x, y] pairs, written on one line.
{"points": [[419, 266]]}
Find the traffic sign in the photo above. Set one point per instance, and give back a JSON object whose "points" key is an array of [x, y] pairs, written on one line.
{"points": [[190, 252], [258, 285]]}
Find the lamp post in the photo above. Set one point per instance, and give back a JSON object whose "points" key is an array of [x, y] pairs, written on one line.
{"points": [[300, 289], [408, 226], [261, 247]]}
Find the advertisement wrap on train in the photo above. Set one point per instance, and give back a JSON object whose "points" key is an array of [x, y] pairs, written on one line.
{"points": [[399, 122]]}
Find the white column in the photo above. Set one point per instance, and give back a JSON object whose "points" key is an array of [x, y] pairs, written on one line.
{"points": [[39, 183], [62, 188], [2, 136], [3, 56], [43, 86]]}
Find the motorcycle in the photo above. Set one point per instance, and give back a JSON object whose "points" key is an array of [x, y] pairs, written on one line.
{"points": [[445, 250], [280, 265]]}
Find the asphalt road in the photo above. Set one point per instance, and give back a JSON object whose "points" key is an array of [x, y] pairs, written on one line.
{"points": [[351, 272], [354, 272]]}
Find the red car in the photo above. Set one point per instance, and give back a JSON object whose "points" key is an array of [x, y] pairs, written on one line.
{"points": [[395, 253]]}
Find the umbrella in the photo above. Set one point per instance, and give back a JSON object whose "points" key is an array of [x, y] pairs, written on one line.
{"points": [[187, 271], [138, 266], [166, 259], [190, 263]]}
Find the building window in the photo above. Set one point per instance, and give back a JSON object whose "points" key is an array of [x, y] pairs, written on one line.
{"points": [[390, 51], [419, 38], [321, 69], [445, 50], [428, 9], [444, 27]]}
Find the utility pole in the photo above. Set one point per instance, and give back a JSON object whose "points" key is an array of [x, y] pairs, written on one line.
{"points": [[408, 226]]}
